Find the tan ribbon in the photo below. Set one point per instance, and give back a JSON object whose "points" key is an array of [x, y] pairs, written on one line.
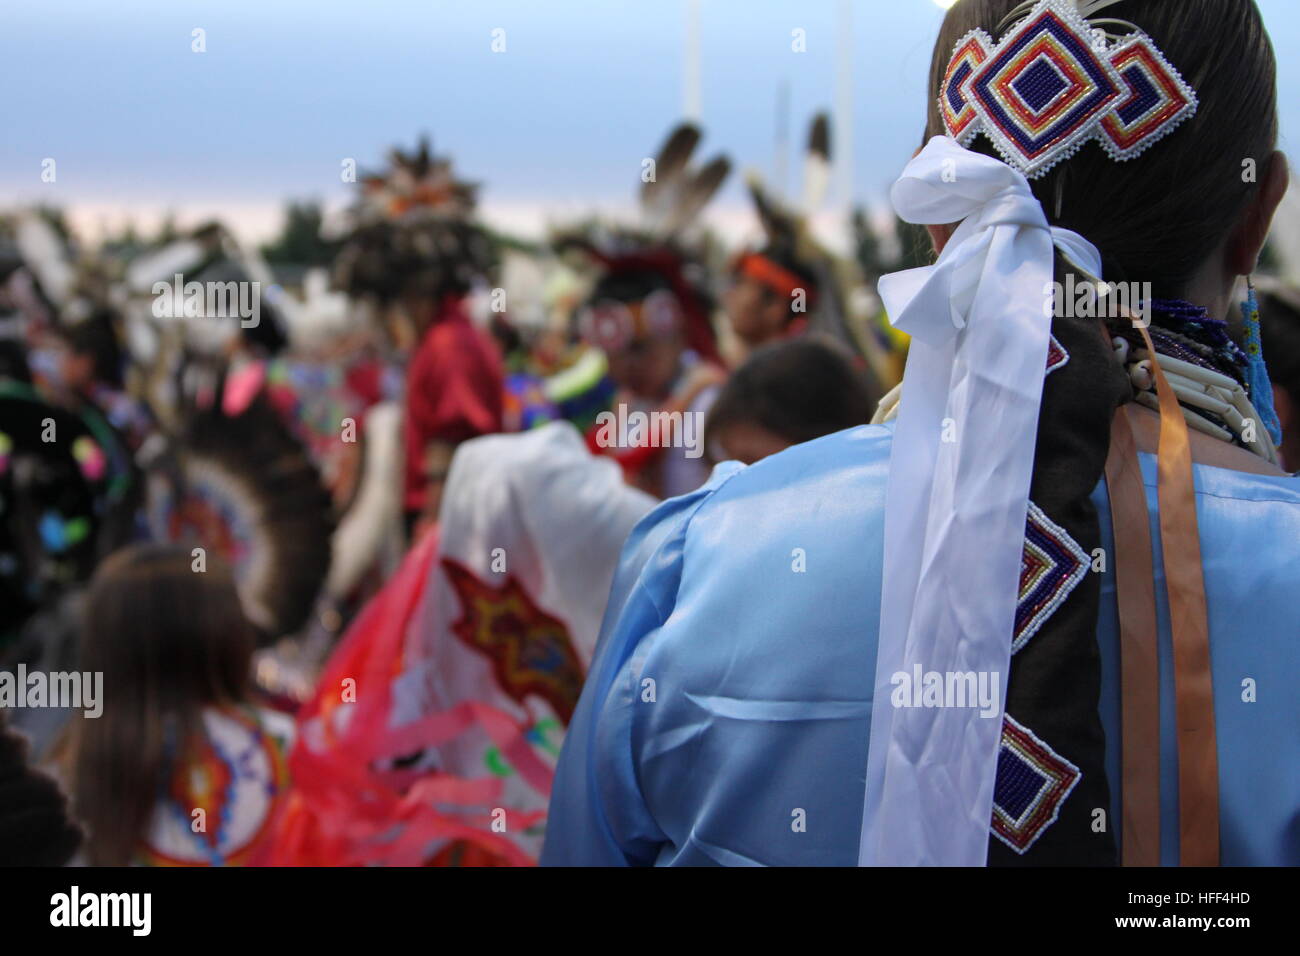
{"points": [[1198, 758], [1139, 654]]}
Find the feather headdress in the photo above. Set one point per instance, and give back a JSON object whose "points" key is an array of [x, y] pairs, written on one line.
{"points": [[411, 232], [673, 194], [236, 481]]}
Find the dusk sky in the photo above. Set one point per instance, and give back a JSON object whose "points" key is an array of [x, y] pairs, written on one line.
{"points": [[556, 125]]}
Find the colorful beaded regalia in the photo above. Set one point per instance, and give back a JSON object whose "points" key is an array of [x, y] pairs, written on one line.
{"points": [[1223, 388], [1057, 81]]}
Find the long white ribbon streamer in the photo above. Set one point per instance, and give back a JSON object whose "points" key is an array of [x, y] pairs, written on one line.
{"points": [[959, 474]]}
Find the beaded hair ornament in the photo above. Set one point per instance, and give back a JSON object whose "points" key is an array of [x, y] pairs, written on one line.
{"points": [[1058, 80]]}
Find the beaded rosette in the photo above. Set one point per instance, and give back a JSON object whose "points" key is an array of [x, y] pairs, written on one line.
{"points": [[1054, 83]]}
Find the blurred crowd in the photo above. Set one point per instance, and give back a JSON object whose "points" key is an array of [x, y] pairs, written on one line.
{"points": [[336, 538]]}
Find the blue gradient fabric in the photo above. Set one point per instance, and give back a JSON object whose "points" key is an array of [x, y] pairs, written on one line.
{"points": [[726, 716]]}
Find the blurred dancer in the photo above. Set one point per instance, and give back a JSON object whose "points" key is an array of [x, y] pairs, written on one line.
{"points": [[414, 251], [791, 284], [434, 729], [769, 298], [637, 317], [650, 313], [91, 369]]}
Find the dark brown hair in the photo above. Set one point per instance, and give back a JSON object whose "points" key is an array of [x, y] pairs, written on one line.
{"points": [[170, 641], [1159, 217], [800, 390], [95, 337]]}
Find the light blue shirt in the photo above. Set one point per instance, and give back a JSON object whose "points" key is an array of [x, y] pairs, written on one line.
{"points": [[726, 715]]}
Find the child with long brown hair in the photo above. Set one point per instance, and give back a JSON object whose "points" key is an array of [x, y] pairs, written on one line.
{"points": [[180, 768]]}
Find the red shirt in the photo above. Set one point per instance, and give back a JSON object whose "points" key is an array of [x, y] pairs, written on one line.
{"points": [[455, 390]]}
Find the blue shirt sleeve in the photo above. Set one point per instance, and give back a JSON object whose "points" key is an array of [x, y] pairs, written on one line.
{"points": [[597, 814]]}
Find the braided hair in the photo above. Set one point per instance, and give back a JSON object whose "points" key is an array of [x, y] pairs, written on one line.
{"points": [[1156, 219]]}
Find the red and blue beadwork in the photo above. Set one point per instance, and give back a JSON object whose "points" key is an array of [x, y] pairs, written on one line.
{"points": [[1051, 566], [1032, 779], [959, 114], [1043, 90], [1054, 83], [1158, 99], [1032, 783], [1057, 356]]}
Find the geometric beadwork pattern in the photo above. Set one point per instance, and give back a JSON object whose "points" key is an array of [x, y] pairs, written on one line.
{"points": [[1157, 100], [1051, 565], [1042, 92], [1057, 356], [1053, 83], [958, 112], [1032, 782]]}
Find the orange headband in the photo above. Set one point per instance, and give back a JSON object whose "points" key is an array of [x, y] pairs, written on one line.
{"points": [[779, 279]]}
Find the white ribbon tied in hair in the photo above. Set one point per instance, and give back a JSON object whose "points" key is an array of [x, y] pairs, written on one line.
{"points": [[957, 498]]}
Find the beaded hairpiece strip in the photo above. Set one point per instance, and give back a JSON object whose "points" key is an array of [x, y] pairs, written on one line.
{"points": [[1261, 389], [1057, 81]]}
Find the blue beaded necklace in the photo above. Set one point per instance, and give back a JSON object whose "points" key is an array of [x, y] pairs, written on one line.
{"points": [[1196, 323]]}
